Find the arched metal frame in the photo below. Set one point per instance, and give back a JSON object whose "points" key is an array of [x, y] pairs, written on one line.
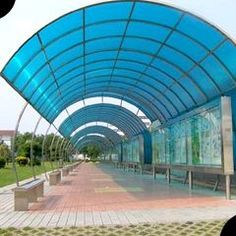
{"points": [[60, 161], [116, 115], [51, 147], [101, 98], [163, 59], [59, 141], [43, 149], [70, 150], [66, 150], [14, 143], [31, 147], [96, 137], [93, 140], [146, 48], [109, 133]]}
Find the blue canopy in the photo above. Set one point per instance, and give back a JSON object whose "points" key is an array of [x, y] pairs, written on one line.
{"points": [[162, 59], [102, 142], [118, 116], [109, 133]]}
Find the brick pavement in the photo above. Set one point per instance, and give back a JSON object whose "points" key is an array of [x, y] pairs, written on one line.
{"points": [[101, 195]]}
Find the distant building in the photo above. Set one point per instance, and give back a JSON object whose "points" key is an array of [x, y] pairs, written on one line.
{"points": [[6, 137]]}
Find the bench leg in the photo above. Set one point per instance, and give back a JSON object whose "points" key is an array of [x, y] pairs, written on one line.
{"points": [[32, 195], [186, 178], [40, 190], [217, 183], [20, 201]]}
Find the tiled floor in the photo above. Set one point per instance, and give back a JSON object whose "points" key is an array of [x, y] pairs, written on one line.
{"points": [[101, 195]]}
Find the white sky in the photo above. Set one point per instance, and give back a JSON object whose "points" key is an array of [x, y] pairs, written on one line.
{"points": [[28, 16]]}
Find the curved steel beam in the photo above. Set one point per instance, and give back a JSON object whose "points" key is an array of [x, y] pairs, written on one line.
{"points": [[92, 140], [43, 148], [116, 138], [137, 36], [14, 143], [51, 147], [104, 111], [31, 147]]}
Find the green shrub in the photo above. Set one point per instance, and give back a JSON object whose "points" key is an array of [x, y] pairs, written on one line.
{"points": [[2, 162], [22, 161], [36, 162]]}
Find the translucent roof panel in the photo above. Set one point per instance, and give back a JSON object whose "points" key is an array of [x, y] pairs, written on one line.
{"points": [[94, 139], [118, 116], [109, 133], [161, 59]]}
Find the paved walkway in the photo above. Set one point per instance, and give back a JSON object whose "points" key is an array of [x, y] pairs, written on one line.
{"points": [[101, 195]]}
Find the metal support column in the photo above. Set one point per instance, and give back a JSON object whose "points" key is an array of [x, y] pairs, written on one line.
{"points": [[154, 171], [60, 152], [13, 156], [190, 180], [43, 148], [51, 147], [56, 150], [65, 149], [227, 186], [168, 175], [31, 147]]}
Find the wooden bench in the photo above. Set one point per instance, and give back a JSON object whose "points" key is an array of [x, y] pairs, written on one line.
{"points": [[54, 178], [27, 193]]}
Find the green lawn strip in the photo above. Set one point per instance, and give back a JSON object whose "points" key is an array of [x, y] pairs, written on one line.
{"points": [[7, 176]]}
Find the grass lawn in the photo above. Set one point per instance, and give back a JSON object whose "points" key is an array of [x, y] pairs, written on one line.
{"points": [[7, 176]]}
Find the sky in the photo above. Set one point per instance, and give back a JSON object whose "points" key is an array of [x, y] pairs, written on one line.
{"points": [[29, 16]]}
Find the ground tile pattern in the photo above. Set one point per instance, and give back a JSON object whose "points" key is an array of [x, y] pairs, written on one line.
{"points": [[209, 228], [98, 194]]}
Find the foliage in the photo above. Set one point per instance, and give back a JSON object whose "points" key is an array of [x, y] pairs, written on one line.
{"points": [[25, 149], [2, 162], [91, 151], [5, 152], [23, 145], [22, 161], [36, 162]]}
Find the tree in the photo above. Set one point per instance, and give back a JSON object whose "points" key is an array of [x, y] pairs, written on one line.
{"points": [[23, 145], [5, 152], [91, 151]]}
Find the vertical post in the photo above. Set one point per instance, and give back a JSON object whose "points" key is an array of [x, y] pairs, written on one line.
{"points": [[227, 186], [70, 150], [154, 171], [227, 141], [51, 147], [14, 144], [60, 151], [190, 180], [56, 150], [66, 151], [168, 175], [43, 147], [31, 148]]}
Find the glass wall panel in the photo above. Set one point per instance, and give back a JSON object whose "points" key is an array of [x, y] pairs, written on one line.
{"points": [[195, 140], [131, 151]]}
